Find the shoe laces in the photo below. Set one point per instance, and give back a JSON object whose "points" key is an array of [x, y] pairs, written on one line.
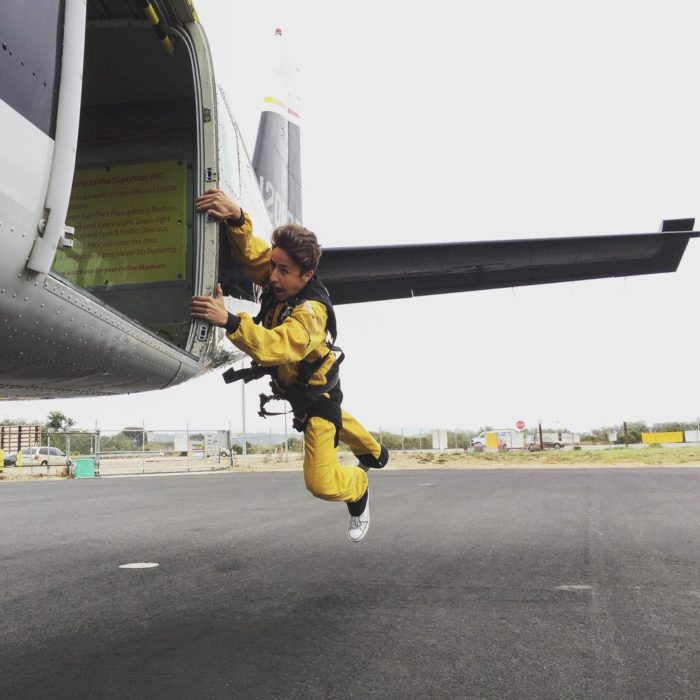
{"points": [[357, 522]]}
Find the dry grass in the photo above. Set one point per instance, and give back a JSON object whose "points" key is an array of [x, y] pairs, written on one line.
{"points": [[516, 459], [647, 456]]}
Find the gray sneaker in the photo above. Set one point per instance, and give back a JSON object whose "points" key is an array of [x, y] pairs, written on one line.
{"points": [[358, 525]]}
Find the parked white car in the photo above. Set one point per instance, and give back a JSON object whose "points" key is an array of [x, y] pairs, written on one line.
{"points": [[45, 457]]}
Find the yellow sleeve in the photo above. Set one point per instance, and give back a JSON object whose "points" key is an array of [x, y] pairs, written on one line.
{"points": [[297, 336], [251, 253]]}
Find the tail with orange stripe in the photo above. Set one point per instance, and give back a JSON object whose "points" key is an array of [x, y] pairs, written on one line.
{"points": [[277, 155]]}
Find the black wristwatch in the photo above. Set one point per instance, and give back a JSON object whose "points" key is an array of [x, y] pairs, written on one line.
{"points": [[232, 323], [233, 222]]}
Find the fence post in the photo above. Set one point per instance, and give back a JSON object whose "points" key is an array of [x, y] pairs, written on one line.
{"points": [[245, 449], [97, 446]]}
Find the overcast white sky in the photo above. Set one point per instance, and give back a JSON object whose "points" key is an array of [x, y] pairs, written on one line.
{"points": [[449, 121]]}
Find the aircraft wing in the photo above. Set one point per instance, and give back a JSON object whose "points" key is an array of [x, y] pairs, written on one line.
{"points": [[373, 273]]}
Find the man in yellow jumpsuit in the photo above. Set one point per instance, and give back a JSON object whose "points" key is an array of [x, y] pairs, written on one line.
{"points": [[296, 317]]}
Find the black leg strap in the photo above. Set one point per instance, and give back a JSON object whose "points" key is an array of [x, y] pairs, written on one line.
{"points": [[369, 461]]}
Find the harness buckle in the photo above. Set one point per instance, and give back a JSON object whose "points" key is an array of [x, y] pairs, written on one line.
{"points": [[247, 374]]}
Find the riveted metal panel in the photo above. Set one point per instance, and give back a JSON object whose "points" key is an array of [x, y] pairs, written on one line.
{"points": [[30, 59]]}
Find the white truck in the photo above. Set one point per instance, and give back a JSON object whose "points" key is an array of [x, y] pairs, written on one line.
{"points": [[504, 439]]}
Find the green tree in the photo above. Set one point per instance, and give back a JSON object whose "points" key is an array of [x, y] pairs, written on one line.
{"points": [[294, 444], [634, 432], [81, 444], [58, 422], [19, 421], [116, 443], [673, 426], [389, 440]]}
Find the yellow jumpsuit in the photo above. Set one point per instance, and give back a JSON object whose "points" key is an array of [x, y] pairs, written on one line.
{"points": [[301, 336]]}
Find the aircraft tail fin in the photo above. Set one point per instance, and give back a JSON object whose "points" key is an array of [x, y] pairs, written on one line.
{"points": [[277, 155]]}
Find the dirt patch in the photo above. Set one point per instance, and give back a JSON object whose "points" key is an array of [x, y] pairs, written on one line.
{"points": [[562, 459]]}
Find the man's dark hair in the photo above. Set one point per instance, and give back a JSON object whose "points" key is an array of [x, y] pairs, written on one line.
{"points": [[299, 243]]}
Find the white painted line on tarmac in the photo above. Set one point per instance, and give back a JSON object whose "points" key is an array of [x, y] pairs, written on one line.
{"points": [[424, 484], [151, 474], [139, 565], [575, 587]]}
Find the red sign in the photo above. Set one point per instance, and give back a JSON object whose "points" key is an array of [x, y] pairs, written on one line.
{"points": [[520, 424]]}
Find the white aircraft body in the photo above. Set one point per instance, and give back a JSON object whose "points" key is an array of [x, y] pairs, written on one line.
{"points": [[112, 124]]}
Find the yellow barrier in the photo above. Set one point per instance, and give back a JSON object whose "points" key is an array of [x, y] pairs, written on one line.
{"points": [[659, 438]]}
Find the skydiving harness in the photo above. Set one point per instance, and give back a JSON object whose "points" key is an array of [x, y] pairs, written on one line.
{"points": [[306, 400]]}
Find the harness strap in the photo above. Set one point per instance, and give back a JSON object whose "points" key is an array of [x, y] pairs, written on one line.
{"points": [[300, 395], [306, 401]]}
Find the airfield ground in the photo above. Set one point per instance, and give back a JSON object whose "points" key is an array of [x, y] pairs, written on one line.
{"points": [[521, 584], [549, 459]]}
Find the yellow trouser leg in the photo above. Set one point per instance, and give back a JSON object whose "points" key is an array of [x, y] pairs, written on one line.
{"points": [[323, 476], [356, 437]]}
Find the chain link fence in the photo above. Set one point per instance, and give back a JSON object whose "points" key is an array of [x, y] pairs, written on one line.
{"points": [[134, 450], [417, 438], [142, 451]]}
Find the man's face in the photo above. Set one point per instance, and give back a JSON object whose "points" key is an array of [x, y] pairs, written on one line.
{"points": [[286, 277]]}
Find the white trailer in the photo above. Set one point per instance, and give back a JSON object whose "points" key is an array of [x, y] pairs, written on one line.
{"points": [[555, 440]]}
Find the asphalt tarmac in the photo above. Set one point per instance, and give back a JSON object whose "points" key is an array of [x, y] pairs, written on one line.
{"points": [[470, 584]]}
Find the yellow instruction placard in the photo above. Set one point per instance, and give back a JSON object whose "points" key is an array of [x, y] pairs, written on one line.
{"points": [[129, 224]]}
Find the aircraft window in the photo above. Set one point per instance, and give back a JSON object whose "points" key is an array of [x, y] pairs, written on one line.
{"points": [[133, 189]]}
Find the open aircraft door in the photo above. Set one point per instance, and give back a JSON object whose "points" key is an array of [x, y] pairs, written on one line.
{"points": [[146, 146], [118, 248]]}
